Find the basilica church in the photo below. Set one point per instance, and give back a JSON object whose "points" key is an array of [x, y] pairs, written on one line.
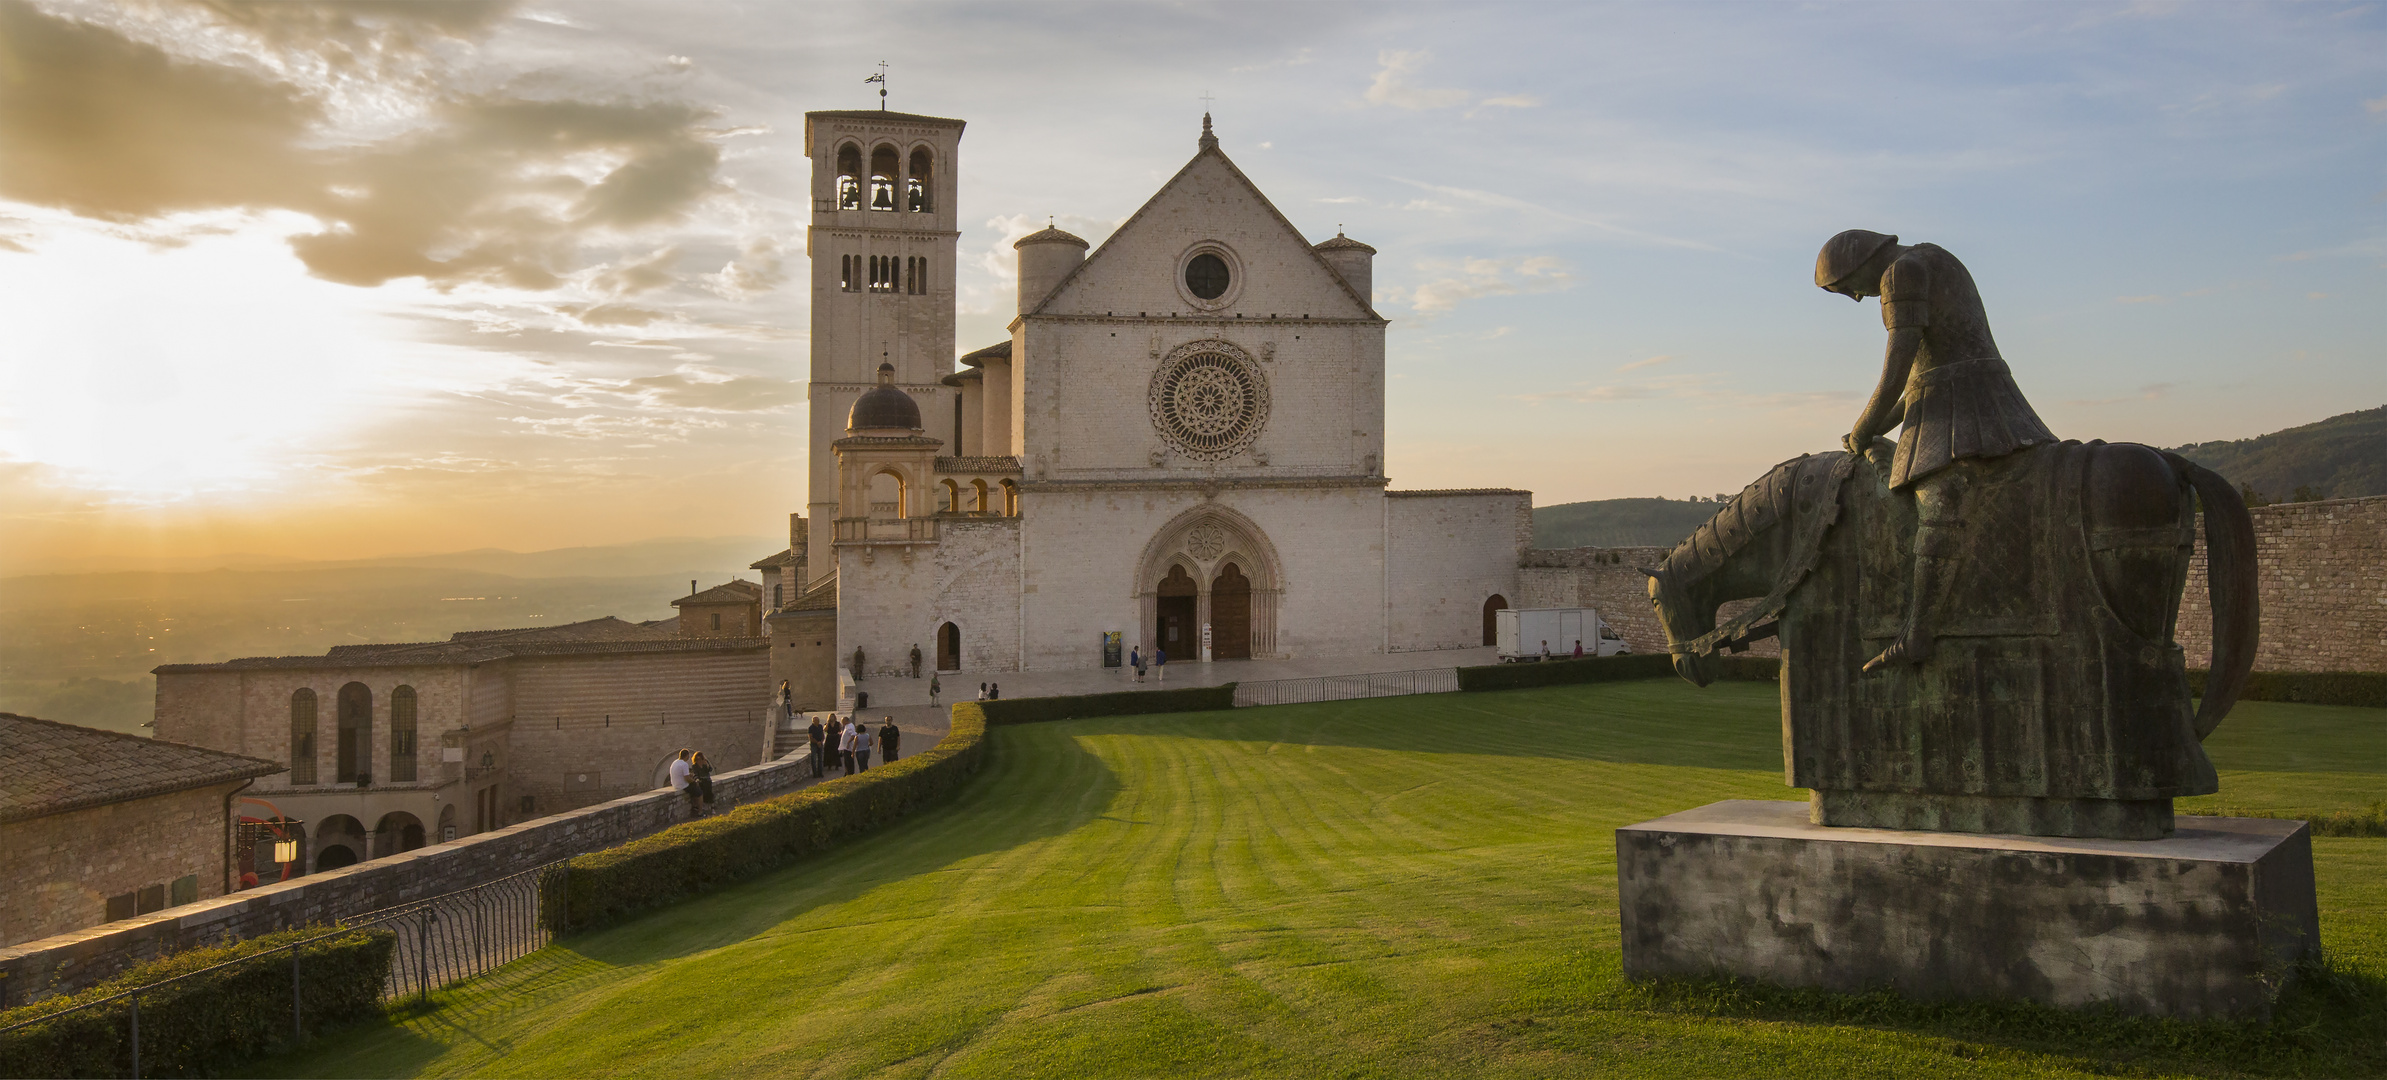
{"points": [[1180, 446]]}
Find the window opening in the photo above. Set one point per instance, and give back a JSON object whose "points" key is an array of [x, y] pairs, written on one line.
{"points": [[882, 178], [1206, 276], [302, 736], [1010, 499], [849, 177], [983, 506], [916, 186], [355, 761], [402, 728]]}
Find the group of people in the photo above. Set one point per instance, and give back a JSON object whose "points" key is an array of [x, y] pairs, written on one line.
{"points": [[850, 742], [1160, 663], [692, 776]]}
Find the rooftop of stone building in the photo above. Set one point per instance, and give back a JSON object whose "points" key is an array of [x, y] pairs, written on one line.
{"points": [[880, 114], [1342, 243], [606, 628], [53, 768], [1049, 235], [729, 592], [790, 557], [821, 597]]}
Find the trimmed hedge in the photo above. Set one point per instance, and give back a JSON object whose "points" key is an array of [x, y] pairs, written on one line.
{"points": [[1606, 669], [1121, 703], [2307, 687], [205, 1024], [698, 856]]}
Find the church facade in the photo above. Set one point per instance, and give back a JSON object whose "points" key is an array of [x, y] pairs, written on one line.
{"points": [[1180, 446]]}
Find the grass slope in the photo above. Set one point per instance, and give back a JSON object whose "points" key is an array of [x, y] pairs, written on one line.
{"points": [[1401, 887], [1619, 522]]}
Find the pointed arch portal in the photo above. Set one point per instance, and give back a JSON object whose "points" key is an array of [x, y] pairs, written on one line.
{"points": [[1210, 566]]}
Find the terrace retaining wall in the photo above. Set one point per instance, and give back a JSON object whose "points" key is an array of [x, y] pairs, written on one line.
{"points": [[74, 961]]}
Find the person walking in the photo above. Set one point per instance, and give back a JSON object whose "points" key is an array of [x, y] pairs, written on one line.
{"points": [[982, 691], [861, 746], [915, 661], [933, 687], [1160, 664], [700, 785], [679, 771], [787, 703], [1545, 648], [1578, 648], [994, 691], [845, 745], [836, 736], [819, 733], [1135, 659], [889, 736]]}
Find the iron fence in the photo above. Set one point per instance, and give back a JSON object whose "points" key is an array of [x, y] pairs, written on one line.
{"points": [[441, 940], [1348, 687]]}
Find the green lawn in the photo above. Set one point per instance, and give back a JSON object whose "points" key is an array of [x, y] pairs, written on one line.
{"points": [[1403, 887]]}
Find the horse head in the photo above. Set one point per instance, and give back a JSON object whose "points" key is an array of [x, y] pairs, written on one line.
{"points": [[1685, 621]]}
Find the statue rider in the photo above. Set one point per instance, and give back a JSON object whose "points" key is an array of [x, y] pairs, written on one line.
{"points": [[1941, 375]]}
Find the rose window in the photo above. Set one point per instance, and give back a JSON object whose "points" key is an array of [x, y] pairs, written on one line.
{"points": [[1209, 400]]}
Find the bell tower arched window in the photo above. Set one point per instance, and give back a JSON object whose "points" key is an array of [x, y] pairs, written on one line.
{"points": [[849, 177], [883, 168], [917, 184]]}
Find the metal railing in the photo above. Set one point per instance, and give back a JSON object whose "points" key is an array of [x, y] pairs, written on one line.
{"points": [[1348, 687], [454, 936], [441, 940]]}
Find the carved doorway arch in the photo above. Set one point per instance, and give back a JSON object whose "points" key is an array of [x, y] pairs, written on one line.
{"points": [[1196, 548]]}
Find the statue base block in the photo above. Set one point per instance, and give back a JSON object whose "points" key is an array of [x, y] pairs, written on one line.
{"points": [[2210, 921]]}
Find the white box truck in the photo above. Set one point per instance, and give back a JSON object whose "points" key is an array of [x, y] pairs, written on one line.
{"points": [[1521, 633]]}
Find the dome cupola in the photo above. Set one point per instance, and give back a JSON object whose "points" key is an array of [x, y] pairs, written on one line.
{"points": [[885, 407]]}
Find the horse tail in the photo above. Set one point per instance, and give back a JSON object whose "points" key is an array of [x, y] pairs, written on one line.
{"points": [[2230, 583]]}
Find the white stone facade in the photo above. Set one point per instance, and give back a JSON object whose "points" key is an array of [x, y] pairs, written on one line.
{"points": [[1185, 432]]}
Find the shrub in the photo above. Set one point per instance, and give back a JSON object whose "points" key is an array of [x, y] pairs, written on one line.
{"points": [[2364, 821], [210, 1021], [698, 856], [1122, 703], [2307, 687], [1606, 669]]}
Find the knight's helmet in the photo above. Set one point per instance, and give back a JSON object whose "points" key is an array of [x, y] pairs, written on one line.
{"points": [[1842, 255]]}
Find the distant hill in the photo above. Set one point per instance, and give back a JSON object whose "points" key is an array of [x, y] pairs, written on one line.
{"points": [[1619, 522], [2343, 457]]}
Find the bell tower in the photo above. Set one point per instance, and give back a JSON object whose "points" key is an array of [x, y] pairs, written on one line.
{"points": [[883, 248]]}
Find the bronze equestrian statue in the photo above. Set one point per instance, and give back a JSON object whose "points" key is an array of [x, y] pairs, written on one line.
{"points": [[1977, 621]]}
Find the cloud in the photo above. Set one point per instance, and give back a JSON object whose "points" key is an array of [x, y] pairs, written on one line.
{"points": [[2376, 105], [2150, 299], [1471, 279], [637, 276], [2150, 392], [1511, 101], [758, 269], [1394, 86], [490, 187], [612, 314], [1650, 362], [703, 389], [1596, 393]]}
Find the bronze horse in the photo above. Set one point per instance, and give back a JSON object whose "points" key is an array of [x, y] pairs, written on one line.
{"points": [[2058, 704]]}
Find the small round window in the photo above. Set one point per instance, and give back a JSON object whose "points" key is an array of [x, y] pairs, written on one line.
{"points": [[1206, 276]]}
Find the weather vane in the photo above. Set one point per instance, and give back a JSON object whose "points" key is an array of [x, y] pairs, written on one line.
{"points": [[881, 79]]}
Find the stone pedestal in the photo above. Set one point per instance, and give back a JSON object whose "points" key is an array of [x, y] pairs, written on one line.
{"points": [[2209, 921]]}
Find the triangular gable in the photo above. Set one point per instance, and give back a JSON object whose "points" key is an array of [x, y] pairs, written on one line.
{"points": [[1125, 235]]}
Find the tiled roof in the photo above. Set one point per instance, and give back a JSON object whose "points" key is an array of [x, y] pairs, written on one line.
{"points": [[53, 768], [1436, 493], [735, 592], [993, 464], [821, 597], [880, 114], [1000, 350], [790, 557], [607, 628]]}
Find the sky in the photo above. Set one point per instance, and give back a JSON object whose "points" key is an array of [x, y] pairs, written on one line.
{"points": [[346, 280]]}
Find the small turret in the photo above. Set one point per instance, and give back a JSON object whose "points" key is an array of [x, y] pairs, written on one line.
{"points": [[1355, 261], [1045, 257]]}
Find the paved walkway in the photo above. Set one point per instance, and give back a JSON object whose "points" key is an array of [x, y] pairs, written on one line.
{"points": [[891, 692]]}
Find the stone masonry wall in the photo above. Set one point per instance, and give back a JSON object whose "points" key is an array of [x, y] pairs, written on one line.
{"points": [[1448, 552], [72, 961], [62, 868], [2322, 571], [1609, 580]]}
